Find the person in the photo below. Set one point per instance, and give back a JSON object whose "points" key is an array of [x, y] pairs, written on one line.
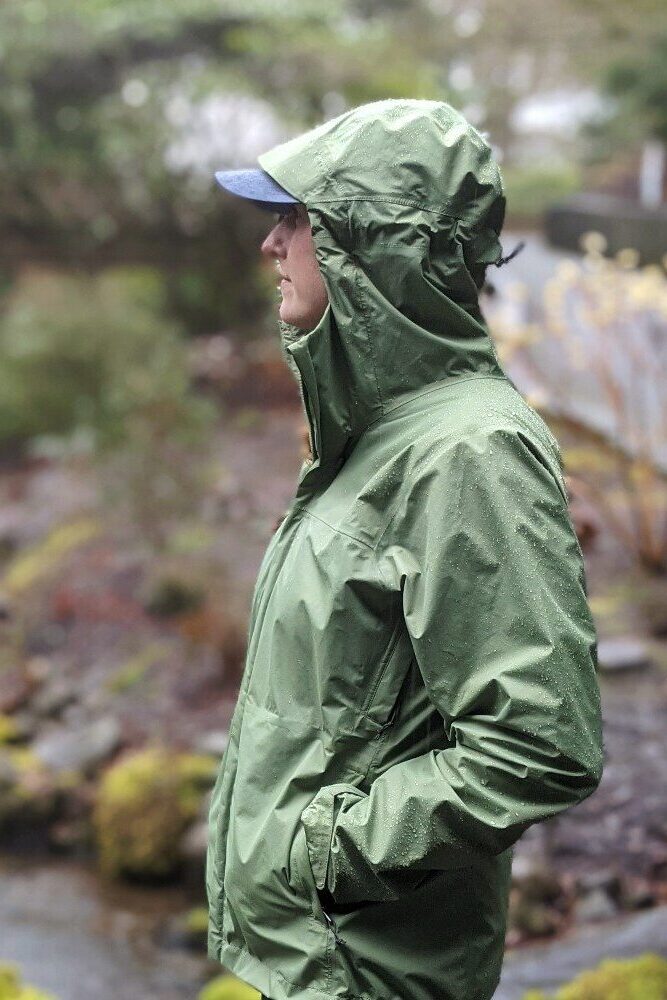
{"points": [[420, 680]]}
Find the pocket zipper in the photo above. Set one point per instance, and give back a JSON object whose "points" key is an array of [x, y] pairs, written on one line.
{"points": [[334, 929], [384, 663]]}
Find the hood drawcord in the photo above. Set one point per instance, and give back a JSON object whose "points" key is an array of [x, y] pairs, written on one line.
{"points": [[503, 260]]}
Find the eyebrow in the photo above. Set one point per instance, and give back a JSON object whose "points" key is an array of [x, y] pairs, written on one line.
{"points": [[287, 211]]}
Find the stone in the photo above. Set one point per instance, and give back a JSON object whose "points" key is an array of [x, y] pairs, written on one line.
{"points": [[195, 841], [81, 749], [213, 743], [595, 905], [15, 690], [623, 653], [606, 879], [53, 697]]}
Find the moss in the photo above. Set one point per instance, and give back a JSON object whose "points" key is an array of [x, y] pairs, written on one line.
{"points": [[227, 988], [11, 987], [169, 597], [30, 794], [144, 804], [132, 672], [196, 920], [8, 729], [38, 561], [642, 978]]}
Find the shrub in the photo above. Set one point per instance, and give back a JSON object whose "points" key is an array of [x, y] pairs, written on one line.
{"points": [[531, 189], [86, 352], [592, 356], [145, 802], [227, 988], [93, 363]]}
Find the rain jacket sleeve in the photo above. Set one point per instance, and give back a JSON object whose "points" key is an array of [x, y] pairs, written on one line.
{"points": [[494, 600]]}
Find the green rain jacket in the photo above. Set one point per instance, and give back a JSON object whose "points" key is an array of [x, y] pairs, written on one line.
{"points": [[420, 682]]}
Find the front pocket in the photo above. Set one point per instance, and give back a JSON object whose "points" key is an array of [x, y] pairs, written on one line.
{"points": [[300, 864], [269, 913]]}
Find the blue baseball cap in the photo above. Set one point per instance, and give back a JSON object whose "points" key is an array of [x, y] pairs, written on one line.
{"points": [[256, 185]]}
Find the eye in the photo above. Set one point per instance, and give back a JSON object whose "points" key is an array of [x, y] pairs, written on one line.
{"points": [[290, 216]]}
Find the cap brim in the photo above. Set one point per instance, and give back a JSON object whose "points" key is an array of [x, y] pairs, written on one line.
{"points": [[257, 186]]}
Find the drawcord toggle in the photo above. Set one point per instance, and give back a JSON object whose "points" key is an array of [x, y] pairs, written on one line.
{"points": [[504, 260]]}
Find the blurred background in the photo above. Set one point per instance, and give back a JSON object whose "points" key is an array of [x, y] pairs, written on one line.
{"points": [[150, 438]]}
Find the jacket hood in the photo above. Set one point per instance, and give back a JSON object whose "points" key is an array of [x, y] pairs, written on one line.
{"points": [[406, 205]]}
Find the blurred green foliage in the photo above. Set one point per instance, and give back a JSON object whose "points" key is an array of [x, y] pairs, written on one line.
{"points": [[93, 353], [640, 85], [531, 189], [96, 95]]}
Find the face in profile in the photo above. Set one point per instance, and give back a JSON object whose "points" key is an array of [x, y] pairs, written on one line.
{"points": [[290, 243]]}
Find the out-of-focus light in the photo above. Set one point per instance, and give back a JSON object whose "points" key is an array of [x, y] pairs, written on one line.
{"points": [[468, 22], [627, 257], [593, 242], [134, 93]]}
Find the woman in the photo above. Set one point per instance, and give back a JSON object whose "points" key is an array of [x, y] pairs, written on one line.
{"points": [[420, 679]]}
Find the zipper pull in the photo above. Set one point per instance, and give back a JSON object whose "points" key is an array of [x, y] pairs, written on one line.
{"points": [[333, 927]]}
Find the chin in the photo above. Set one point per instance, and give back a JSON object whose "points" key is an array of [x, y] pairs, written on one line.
{"points": [[289, 316]]}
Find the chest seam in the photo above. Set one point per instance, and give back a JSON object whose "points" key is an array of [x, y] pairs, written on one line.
{"points": [[339, 531]]}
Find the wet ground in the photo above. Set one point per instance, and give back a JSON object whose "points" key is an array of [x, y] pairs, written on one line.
{"points": [[71, 937], [548, 966]]}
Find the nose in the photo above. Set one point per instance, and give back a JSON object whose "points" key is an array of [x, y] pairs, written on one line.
{"points": [[273, 245]]}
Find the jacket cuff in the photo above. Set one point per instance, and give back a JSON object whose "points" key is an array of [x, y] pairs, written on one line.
{"points": [[319, 818]]}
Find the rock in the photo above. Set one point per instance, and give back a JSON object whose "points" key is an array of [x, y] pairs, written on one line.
{"points": [[205, 805], [79, 749], [46, 638], [186, 930], [531, 919], [195, 841], [39, 669], [638, 895], [70, 835], [53, 697], [75, 714], [595, 905], [607, 879], [8, 771], [193, 853], [28, 798], [26, 725], [627, 653], [5, 607], [213, 742], [539, 885], [15, 689]]}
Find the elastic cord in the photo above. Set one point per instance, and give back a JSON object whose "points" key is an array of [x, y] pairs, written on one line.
{"points": [[503, 260]]}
